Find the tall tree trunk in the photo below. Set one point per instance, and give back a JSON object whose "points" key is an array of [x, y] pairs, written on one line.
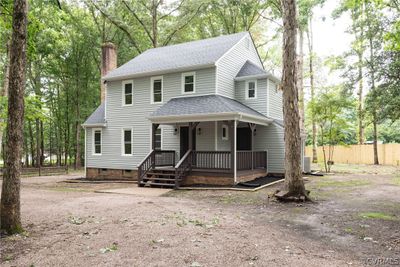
{"points": [[294, 185], [312, 90], [300, 80], [38, 146], [31, 143], [154, 8], [374, 115], [4, 91], [10, 194], [41, 144], [360, 100]]}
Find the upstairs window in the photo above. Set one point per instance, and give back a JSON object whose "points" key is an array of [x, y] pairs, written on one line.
{"points": [[156, 89], [127, 98], [251, 89], [127, 142], [158, 138], [188, 82], [97, 141]]}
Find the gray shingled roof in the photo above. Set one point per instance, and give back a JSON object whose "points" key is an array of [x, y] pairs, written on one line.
{"points": [[250, 69], [180, 56], [207, 104], [97, 117]]}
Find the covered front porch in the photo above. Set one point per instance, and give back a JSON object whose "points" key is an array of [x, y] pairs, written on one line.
{"points": [[213, 142]]}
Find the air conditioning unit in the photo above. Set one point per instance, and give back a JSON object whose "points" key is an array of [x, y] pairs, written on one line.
{"points": [[307, 165]]}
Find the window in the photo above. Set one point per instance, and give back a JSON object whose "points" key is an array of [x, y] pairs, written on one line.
{"points": [[97, 141], [156, 89], [251, 91], [158, 138], [126, 142], [225, 132], [127, 98], [188, 82]]}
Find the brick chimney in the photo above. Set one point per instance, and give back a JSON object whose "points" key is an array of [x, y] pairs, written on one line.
{"points": [[108, 63]]}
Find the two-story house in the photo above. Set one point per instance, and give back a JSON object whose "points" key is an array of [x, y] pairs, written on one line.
{"points": [[202, 112]]}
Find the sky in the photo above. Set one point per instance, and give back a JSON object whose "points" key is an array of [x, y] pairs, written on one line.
{"points": [[330, 37]]}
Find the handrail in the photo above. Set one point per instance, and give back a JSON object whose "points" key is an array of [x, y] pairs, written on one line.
{"points": [[183, 167], [146, 165], [183, 158]]}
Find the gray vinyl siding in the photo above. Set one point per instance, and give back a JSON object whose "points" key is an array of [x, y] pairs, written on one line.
{"points": [[223, 145], [206, 140], [230, 64], [270, 138], [275, 101], [260, 102], [135, 117]]}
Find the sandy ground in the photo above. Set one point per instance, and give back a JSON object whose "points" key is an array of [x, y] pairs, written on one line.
{"points": [[71, 225]]}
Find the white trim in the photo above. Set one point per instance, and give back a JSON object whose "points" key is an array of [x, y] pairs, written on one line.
{"points": [[258, 76], [230, 49], [234, 152], [247, 90], [152, 79], [161, 133], [211, 117], [123, 92], [226, 132], [85, 163], [105, 101], [184, 74], [101, 142], [89, 125], [123, 142], [268, 102], [158, 72], [216, 80]]}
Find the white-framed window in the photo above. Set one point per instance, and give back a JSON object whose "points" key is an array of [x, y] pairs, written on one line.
{"points": [[251, 89], [158, 139], [127, 93], [97, 141], [156, 89], [127, 141], [188, 82], [225, 132]]}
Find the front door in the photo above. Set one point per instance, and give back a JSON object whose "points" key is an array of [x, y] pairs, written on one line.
{"points": [[184, 140], [243, 141]]}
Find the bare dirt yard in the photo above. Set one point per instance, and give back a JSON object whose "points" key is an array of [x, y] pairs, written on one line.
{"points": [[355, 221]]}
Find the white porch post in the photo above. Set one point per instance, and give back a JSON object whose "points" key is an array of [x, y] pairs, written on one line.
{"points": [[234, 151]]}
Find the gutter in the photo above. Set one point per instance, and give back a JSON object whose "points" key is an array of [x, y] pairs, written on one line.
{"points": [[259, 76], [89, 125], [157, 72], [211, 117]]}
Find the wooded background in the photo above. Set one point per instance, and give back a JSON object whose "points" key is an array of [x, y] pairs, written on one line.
{"points": [[63, 65]]}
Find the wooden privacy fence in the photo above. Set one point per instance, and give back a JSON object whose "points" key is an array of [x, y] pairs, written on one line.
{"points": [[388, 154], [44, 171]]}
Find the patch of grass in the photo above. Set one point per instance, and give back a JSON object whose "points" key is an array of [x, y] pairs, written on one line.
{"points": [[349, 183], [396, 180], [76, 220], [111, 248], [377, 215], [348, 230]]}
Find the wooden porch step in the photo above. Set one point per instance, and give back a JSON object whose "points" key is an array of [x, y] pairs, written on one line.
{"points": [[158, 184], [161, 174], [160, 179]]}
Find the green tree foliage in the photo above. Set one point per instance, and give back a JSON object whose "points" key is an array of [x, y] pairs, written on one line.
{"points": [[334, 114]]}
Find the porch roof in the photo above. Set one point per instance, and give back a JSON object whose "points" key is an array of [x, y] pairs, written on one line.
{"points": [[97, 118], [206, 108]]}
